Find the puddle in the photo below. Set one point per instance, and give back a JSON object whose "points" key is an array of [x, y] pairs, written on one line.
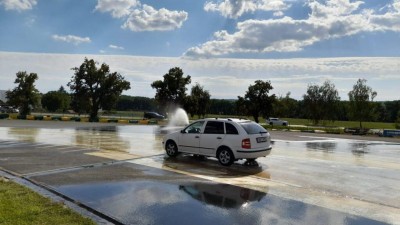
{"points": [[333, 147], [141, 140], [153, 196]]}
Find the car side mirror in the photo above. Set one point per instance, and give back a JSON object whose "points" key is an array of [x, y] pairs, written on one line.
{"points": [[182, 131]]}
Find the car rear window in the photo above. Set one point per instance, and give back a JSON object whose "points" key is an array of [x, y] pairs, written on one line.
{"points": [[252, 128]]}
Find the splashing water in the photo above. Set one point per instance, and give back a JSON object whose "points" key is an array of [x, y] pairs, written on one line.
{"points": [[178, 118]]}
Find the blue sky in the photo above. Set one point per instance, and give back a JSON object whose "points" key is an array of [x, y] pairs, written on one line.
{"points": [[339, 40]]}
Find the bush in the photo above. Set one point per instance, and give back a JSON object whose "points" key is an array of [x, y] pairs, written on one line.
{"points": [[76, 119], [39, 117], [21, 117], [93, 119], [4, 116]]}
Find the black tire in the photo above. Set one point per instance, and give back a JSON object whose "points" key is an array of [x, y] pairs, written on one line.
{"points": [[284, 124], [270, 123], [171, 148], [225, 156]]}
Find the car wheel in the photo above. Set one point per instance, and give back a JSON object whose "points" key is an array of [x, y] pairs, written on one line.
{"points": [[284, 124], [225, 157], [171, 149], [270, 123]]}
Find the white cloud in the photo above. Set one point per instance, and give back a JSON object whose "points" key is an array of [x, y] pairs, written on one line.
{"points": [[329, 20], [116, 47], [71, 39], [236, 8], [117, 8], [388, 21], [223, 78], [140, 17], [149, 19], [18, 5]]}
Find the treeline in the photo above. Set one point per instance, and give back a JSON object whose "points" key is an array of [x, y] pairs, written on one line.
{"points": [[93, 87], [386, 111]]}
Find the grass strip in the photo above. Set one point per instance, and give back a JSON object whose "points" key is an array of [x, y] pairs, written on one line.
{"points": [[20, 205]]}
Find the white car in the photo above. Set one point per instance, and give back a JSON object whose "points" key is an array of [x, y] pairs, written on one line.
{"points": [[277, 122], [226, 139]]}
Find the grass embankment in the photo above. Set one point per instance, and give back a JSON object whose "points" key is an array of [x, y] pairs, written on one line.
{"points": [[19, 205], [348, 124]]}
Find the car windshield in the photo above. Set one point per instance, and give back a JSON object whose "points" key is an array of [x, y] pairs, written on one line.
{"points": [[253, 128]]}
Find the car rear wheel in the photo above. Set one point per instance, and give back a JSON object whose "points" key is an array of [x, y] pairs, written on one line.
{"points": [[225, 157], [171, 149]]}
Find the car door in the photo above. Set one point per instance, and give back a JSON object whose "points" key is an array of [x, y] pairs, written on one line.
{"points": [[189, 140], [211, 138]]}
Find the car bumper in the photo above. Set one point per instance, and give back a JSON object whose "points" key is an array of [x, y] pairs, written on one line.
{"points": [[252, 153]]}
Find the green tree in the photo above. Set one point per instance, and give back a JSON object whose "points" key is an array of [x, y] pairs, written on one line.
{"points": [[321, 102], [25, 96], [94, 88], [241, 106], [137, 103], [171, 90], [198, 103], [397, 122], [361, 102], [285, 106], [257, 101], [222, 107], [56, 100]]}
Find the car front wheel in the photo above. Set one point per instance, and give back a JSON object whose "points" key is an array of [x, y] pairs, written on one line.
{"points": [[171, 149], [225, 157]]}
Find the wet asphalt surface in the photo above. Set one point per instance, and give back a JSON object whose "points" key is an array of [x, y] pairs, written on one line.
{"points": [[122, 173]]}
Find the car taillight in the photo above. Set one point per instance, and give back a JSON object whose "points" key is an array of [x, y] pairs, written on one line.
{"points": [[246, 143]]}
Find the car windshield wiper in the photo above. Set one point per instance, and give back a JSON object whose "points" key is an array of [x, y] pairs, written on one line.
{"points": [[263, 132]]}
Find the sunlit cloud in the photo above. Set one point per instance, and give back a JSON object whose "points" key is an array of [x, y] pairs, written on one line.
{"points": [[139, 18], [76, 40], [330, 19], [18, 5], [116, 47], [223, 78], [117, 8], [236, 8]]}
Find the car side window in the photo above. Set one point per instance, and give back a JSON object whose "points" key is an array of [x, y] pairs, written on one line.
{"points": [[194, 128], [230, 129], [214, 127]]}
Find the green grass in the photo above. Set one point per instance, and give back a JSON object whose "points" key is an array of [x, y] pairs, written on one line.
{"points": [[136, 115], [349, 124], [19, 205]]}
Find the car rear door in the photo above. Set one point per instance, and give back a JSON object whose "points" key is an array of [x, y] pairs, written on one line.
{"points": [[211, 138]]}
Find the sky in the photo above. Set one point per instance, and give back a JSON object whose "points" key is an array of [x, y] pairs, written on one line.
{"points": [[224, 45]]}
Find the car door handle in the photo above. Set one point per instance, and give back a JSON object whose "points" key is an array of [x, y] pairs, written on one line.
{"points": [[219, 137], [196, 136]]}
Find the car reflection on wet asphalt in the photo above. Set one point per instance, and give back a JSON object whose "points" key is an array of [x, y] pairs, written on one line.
{"points": [[306, 179], [147, 195]]}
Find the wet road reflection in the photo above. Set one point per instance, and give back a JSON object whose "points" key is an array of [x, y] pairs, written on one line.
{"points": [[140, 140], [171, 198], [305, 180]]}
